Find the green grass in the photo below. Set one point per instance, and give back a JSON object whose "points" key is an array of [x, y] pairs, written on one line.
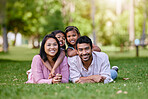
{"points": [[15, 63]]}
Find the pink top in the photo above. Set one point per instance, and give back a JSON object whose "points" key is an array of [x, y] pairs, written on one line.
{"points": [[40, 73]]}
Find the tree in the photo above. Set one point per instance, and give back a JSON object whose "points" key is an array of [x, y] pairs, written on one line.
{"points": [[131, 24], [3, 24]]}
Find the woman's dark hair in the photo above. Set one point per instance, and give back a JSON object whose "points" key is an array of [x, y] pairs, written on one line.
{"points": [[84, 39], [42, 50], [59, 31], [71, 28]]}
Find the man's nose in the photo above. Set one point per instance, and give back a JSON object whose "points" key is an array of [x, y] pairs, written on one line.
{"points": [[84, 52]]}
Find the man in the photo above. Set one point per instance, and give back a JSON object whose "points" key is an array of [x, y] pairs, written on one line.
{"points": [[89, 66]]}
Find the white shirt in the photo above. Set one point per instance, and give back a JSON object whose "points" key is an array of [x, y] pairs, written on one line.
{"points": [[100, 66]]}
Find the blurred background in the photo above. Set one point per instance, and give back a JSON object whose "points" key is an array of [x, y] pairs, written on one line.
{"points": [[119, 23]]}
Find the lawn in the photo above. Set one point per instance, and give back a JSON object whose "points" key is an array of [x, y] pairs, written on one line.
{"points": [[15, 63]]}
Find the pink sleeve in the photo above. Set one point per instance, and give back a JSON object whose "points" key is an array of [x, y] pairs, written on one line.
{"points": [[37, 71], [65, 71]]}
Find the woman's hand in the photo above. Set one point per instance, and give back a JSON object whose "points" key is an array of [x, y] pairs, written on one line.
{"points": [[57, 79]]}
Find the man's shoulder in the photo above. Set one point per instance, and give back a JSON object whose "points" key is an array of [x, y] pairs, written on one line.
{"points": [[99, 53], [73, 58]]}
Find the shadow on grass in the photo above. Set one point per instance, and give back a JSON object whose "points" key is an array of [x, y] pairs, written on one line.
{"points": [[9, 60]]}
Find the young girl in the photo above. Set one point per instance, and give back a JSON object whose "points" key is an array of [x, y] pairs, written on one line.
{"points": [[72, 34], [60, 35]]}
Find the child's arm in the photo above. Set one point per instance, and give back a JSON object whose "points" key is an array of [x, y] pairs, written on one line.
{"points": [[57, 63], [96, 48], [47, 65], [71, 52]]}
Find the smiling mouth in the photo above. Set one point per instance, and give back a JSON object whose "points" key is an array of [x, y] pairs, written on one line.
{"points": [[52, 51], [61, 43], [72, 41]]}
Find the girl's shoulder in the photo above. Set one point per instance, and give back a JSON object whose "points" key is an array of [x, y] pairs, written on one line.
{"points": [[70, 47]]}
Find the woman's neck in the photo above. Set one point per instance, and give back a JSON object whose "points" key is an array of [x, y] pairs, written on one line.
{"points": [[50, 60]]}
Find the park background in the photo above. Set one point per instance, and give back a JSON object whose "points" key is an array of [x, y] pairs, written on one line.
{"points": [[114, 25]]}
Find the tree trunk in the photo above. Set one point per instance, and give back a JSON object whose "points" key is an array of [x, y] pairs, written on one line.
{"points": [[15, 33], [2, 22], [5, 41], [36, 39], [131, 24], [121, 47], [93, 20]]}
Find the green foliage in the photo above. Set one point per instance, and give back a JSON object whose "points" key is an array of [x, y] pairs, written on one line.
{"points": [[14, 64], [40, 17]]}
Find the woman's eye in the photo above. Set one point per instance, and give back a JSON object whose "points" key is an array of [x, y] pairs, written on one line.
{"points": [[54, 44], [49, 45]]}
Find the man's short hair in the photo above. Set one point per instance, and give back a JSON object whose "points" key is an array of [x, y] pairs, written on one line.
{"points": [[84, 39]]}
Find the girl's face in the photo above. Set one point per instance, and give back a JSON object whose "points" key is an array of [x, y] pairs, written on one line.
{"points": [[61, 38], [51, 47], [72, 37]]}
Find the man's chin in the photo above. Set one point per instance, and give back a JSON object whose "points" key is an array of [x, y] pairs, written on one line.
{"points": [[85, 60]]}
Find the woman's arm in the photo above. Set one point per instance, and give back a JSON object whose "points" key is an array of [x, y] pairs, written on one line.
{"points": [[96, 48], [37, 71], [71, 52]]}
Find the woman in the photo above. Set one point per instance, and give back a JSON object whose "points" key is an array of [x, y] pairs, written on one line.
{"points": [[50, 51], [60, 35]]}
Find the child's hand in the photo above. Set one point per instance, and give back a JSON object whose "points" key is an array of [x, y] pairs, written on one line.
{"points": [[52, 74]]}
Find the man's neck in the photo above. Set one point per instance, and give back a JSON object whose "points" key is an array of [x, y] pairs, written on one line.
{"points": [[86, 64]]}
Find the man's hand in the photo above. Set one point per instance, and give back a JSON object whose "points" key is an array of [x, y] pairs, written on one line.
{"points": [[82, 81], [98, 78]]}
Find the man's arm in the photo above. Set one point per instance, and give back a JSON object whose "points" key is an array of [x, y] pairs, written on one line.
{"points": [[105, 69], [74, 71], [91, 79]]}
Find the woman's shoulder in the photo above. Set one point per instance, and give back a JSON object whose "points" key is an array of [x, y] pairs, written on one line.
{"points": [[36, 58]]}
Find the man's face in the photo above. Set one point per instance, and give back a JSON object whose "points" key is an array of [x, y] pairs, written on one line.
{"points": [[84, 51]]}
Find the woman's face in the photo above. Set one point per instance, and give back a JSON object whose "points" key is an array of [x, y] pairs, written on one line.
{"points": [[61, 38], [72, 37], [51, 47]]}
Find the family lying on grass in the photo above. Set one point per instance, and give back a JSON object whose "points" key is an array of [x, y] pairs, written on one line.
{"points": [[85, 63]]}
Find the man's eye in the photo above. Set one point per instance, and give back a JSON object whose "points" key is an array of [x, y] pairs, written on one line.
{"points": [[80, 49], [87, 48]]}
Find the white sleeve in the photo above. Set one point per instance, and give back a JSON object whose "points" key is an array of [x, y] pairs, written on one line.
{"points": [[74, 71], [105, 69]]}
